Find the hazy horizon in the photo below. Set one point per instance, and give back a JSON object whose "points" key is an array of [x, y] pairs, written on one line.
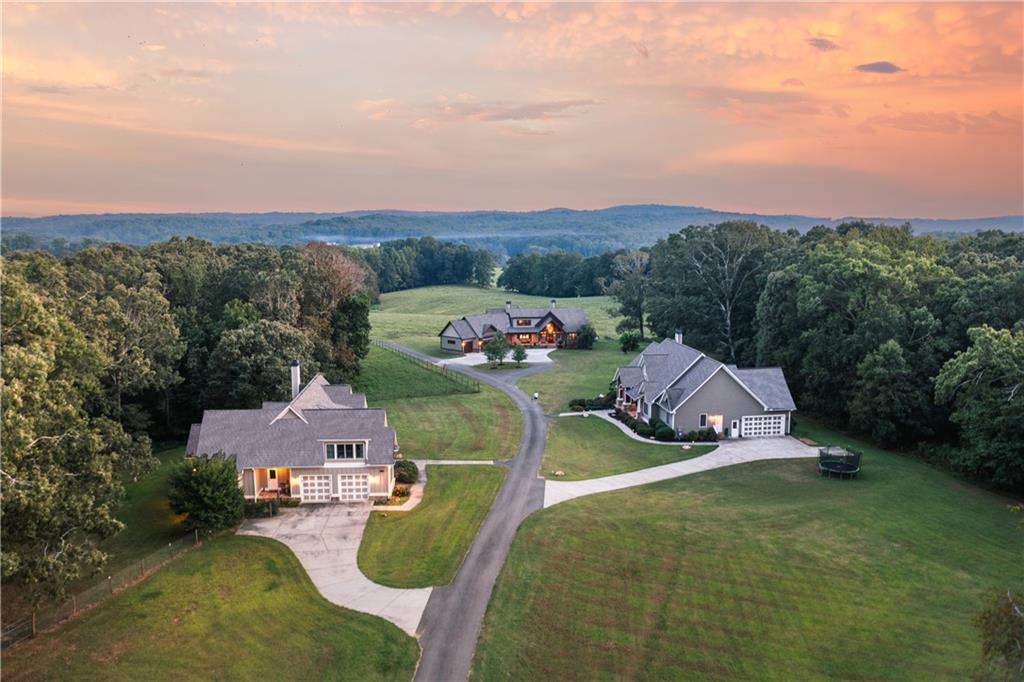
{"points": [[888, 110]]}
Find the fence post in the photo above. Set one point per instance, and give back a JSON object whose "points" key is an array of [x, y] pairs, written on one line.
{"points": [[110, 584], [74, 604], [33, 622], [197, 536]]}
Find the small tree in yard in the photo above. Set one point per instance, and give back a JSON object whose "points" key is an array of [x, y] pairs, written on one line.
{"points": [[496, 350], [406, 471], [629, 342], [206, 491], [586, 337], [519, 354]]}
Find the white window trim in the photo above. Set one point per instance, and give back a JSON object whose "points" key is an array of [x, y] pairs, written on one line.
{"points": [[346, 462], [702, 420]]}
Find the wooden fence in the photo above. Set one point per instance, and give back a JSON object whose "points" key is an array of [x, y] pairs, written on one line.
{"points": [[467, 383], [53, 616]]}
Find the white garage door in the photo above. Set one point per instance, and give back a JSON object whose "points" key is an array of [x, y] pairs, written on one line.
{"points": [[353, 486], [761, 425], [316, 488]]}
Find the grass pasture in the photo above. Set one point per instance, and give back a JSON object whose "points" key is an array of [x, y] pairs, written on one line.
{"points": [[389, 375], [589, 447], [758, 571], [576, 374], [235, 608], [424, 547]]}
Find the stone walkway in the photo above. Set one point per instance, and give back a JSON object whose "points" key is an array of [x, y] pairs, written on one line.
{"points": [[728, 453], [325, 538]]}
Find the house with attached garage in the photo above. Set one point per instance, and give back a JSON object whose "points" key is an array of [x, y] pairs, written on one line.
{"points": [[689, 391], [550, 327], [323, 445]]}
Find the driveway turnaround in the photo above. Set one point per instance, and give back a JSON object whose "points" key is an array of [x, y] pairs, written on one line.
{"points": [[728, 453], [451, 622], [325, 538], [534, 356]]}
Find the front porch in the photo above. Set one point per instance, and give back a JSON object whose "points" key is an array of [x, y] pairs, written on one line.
{"points": [[271, 483]]}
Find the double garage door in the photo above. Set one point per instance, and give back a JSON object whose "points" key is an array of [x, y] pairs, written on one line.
{"points": [[317, 488], [761, 425]]}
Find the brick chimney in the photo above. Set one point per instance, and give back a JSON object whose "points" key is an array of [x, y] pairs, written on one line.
{"points": [[296, 378]]}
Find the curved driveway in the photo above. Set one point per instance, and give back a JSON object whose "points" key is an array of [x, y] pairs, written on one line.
{"points": [[451, 622]]}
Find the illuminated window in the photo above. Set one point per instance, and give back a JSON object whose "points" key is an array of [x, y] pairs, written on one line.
{"points": [[523, 323]]}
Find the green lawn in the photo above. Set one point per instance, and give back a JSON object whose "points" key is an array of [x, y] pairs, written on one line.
{"points": [[388, 375], [589, 447], [484, 425], [415, 316], [149, 525], [425, 546], [759, 571], [576, 374], [236, 608]]}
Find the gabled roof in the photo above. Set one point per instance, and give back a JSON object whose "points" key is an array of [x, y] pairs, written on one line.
{"points": [[768, 384], [669, 373], [571, 319], [283, 434]]}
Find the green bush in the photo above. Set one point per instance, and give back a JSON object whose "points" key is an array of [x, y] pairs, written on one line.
{"points": [[205, 490], [291, 502], [644, 430], [406, 471], [665, 433], [656, 424], [586, 337], [262, 508], [629, 342], [401, 492]]}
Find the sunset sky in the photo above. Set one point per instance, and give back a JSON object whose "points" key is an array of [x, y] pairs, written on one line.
{"points": [[832, 109]]}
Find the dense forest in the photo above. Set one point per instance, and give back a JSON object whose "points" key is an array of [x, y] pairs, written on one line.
{"points": [[558, 273], [905, 339], [112, 346], [504, 233]]}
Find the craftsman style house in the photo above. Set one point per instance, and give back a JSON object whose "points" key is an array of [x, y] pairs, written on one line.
{"points": [[550, 327], [323, 445], [689, 391]]}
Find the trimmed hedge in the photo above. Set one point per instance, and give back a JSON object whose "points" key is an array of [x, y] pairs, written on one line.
{"points": [[406, 471]]}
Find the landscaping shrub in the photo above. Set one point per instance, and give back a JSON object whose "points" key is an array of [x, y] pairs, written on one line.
{"points": [[406, 471], [665, 433], [206, 491], [292, 502], [401, 492], [690, 436], [255, 510], [586, 337], [656, 424], [644, 430]]}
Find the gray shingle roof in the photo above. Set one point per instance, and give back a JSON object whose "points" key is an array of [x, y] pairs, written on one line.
{"points": [[664, 361], [292, 434], [768, 384], [572, 319]]}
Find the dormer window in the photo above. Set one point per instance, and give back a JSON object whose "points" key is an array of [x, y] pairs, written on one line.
{"points": [[341, 452], [524, 322]]}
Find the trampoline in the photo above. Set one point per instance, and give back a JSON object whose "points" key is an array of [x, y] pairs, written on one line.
{"points": [[838, 461]]}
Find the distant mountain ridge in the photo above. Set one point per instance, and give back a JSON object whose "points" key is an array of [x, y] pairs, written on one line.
{"points": [[583, 230]]}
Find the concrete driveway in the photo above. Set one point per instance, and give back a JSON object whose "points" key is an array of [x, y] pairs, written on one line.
{"points": [[534, 356], [728, 452], [325, 538]]}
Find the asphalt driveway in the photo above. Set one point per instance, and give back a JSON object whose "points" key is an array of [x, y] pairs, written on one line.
{"points": [[325, 538]]}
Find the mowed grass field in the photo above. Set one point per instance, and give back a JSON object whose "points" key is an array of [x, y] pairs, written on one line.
{"points": [[758, 571], [235, 608], [425, 546], [576, 374], [589, 447], [434, 417], [415, 317]]}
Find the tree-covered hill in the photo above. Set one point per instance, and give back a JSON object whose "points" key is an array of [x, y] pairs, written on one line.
{"points": [[587, 232]]}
